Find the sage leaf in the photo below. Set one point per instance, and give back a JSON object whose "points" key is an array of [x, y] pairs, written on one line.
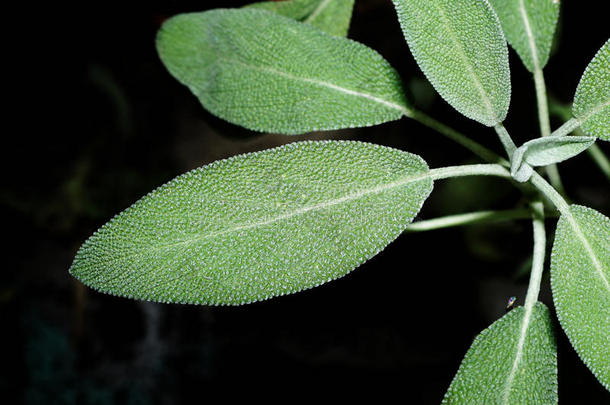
{"points": [[514, 361], [332, 16], [270, 73], [548, 150], [460, 47], [529, 26], [580, 279], [257, 225], [592, 99]]}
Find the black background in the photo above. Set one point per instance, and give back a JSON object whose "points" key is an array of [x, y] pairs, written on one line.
{"points": [[99, 123]]}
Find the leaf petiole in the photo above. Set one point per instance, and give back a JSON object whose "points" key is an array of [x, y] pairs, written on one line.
{"points": [[596, 154], [471, 218], [545, 125], [549, 192], [491, 169], [567, 127], [458, 137], [507, 141], [600, 159], [537, 212]]}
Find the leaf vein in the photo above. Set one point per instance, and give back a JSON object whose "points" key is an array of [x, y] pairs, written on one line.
{"points": [[467, 62]]}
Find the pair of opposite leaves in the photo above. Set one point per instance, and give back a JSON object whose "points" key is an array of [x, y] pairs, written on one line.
{"points": [[224, 235]]}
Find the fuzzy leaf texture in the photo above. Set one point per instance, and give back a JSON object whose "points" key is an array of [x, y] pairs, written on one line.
{"points": [[331, 16], [460, 47], [592, 99], [548, 150], [529, 26], [258, 225], [514, 361], [580, 278], [270, 73]]}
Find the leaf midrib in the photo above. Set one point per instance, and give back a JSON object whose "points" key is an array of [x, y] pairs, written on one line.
{"points": [[297, 212], [400, 108], [522, 336], [585, 242], [467, 62], [530, 35], [323, 4], [585, 117]]}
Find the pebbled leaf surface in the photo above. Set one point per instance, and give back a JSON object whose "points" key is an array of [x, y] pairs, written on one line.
{"points": [[257, 225], [580, 277], [510, 364], [529, 26], [592, 99], [460, 47], [270, 73], [331, 16], [546, 151]]}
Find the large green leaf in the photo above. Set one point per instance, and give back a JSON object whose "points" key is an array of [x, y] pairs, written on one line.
{"points": [[580, 277], [460, 47], [257, 225], [270, 73], [592, 99], [332, 16], [529, 26], [514, 361]]}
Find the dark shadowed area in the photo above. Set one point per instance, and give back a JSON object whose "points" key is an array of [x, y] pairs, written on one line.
{"points": [[112, 124]]}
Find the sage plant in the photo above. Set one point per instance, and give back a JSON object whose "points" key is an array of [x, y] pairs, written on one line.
{"points": [[282, 220]]}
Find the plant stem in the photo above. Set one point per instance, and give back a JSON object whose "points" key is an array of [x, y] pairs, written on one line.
{"points": [[470, 218], [543, 108], [458, 137], [553, 172], [568, 126], [545, 125], [507, 141], [594, 151], [600, 159], [491, 169], [533, 288], [538, 257], [541, 184]]}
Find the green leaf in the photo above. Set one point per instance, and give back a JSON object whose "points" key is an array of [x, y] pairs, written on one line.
{"points": [[331, 16], [520, 170], [514, 361], [529, 26], [460, 47], [592, 99], [270, 73], [258, 225], [580, 277], [548, 150]]}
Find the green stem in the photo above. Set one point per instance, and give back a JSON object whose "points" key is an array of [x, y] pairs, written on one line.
{"points": [[553, 172], [538, 257], [470, 218], [568, 126], [543, 108], [507, 141], [549, 192], [545, 125], [458, 137], [491, 169], [600, 159], [594, 151]]}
